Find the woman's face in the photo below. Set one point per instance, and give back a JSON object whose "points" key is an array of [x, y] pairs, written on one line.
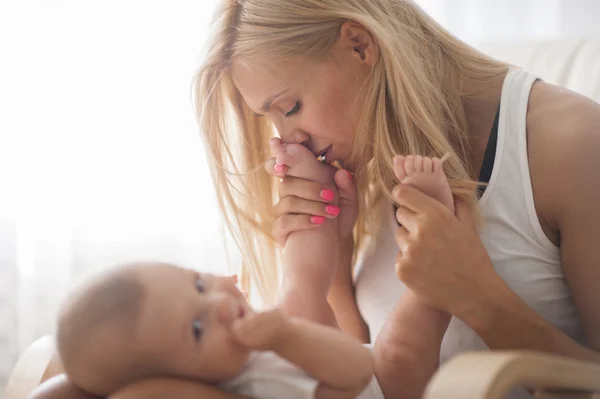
{"points": [[317, 104]]}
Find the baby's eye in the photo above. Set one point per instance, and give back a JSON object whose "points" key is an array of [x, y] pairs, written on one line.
{"points": [[200, 285], [197, 330], [294, 110]]}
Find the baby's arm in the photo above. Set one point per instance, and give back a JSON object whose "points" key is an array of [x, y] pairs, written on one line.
{"points": [[59, 387], [340, 362], [407, 350], [342, 297]]}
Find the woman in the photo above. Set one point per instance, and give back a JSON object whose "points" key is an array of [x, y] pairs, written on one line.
{"points": [[366, 80], [361, 81]]}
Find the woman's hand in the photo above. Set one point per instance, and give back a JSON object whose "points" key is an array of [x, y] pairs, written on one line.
{"points": [[441, 259], [310, 192]]}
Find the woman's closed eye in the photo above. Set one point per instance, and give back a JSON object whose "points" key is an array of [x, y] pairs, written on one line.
{"points": [[200, 287], [294, 110], [197, 330]]}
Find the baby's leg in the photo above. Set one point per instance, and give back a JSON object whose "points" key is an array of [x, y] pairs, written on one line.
{"points": [[310, 257], [303, 164], [426, 174]]}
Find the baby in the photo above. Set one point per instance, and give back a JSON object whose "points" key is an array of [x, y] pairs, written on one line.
{"points": [[147, 321], [143, 322]]}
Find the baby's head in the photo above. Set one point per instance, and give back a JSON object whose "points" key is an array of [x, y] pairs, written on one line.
{"points": [[151, 320]]}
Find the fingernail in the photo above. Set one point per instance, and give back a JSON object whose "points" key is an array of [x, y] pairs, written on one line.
{"points": [[332, 210], [327, 194], [317, 219], [350, 175], [278, 168]]}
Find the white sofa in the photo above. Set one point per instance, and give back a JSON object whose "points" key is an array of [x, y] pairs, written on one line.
{"points": [[574, 64], [571, 63]]}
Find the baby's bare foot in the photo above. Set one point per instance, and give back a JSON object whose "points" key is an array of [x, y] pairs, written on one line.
{"points": [[426, 174], [303, 164]]}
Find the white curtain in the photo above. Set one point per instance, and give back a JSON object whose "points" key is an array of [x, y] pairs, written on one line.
{"points": [[100, 158], [477, 21]]}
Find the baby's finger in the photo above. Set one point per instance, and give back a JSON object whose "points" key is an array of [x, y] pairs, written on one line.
{"points": [[240, 329], [286, 224]]}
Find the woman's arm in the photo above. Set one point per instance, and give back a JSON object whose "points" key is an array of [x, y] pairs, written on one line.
{"points": [[168, 388], [407, 350]]}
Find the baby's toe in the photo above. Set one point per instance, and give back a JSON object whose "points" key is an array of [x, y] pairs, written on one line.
{"points": [[399, 168], [427, 165], [409, 165], [418, 164]]}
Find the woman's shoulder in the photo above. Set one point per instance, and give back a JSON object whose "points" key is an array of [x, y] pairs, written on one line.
{"points": [[563, 139], [555, 109]]}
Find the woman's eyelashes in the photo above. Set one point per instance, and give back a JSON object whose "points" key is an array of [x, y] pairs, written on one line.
{"points": [[294, 110], [197, 330], [200, 287]]}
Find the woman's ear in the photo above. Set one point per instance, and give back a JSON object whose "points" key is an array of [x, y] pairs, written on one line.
{"points": [[356, 38]]}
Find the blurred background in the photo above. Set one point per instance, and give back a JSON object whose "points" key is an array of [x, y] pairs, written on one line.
{"points": [[100, 158]]}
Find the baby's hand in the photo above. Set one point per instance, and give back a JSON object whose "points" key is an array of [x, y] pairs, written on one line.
{"points": [[262, 331]]}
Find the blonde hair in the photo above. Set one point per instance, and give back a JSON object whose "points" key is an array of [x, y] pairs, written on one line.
{"points": [[413, 105]]}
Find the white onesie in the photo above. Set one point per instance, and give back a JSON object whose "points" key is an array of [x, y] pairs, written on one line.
{"points": [[269, 376]]}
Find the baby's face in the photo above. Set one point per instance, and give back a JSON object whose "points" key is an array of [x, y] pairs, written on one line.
{"points": [[186, 323]]}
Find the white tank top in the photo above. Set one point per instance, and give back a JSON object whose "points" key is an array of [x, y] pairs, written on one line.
{"points": [[520, 251]]}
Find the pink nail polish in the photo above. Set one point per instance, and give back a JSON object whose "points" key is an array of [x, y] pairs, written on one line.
{"points": [[332, 210], [317, 219], [327, 194], [350, 175], [278, 168]]}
